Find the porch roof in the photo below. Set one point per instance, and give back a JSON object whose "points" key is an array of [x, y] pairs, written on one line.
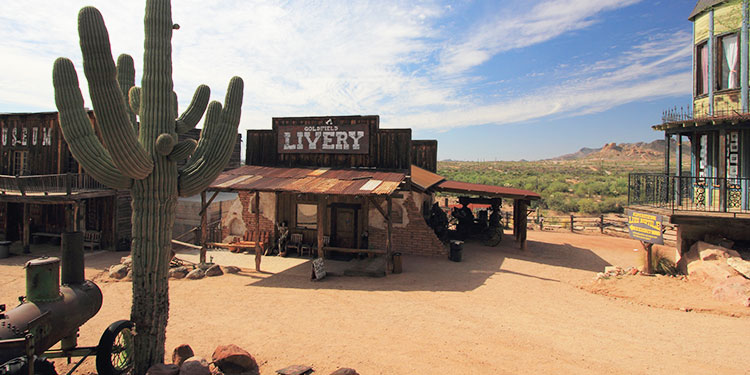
{"points": [[309, 180]]}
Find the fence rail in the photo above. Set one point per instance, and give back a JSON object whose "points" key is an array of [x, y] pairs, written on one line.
{"points": [[709, 194], [47, 184]]}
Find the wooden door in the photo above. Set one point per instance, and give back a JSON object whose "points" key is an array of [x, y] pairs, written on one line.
{"points": [[345, 226]]}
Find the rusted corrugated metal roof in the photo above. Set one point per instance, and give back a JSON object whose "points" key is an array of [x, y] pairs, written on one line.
{"points": [[490, 191], [423, 178], [309, 180], [703, 5]]}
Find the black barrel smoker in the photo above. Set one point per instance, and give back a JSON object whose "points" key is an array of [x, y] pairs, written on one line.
{"points": [[51, 313]]}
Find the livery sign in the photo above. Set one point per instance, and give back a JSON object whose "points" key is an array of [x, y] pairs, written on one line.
{"points": [[326, 138]]}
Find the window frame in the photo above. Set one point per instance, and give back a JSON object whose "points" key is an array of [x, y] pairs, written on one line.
{"points": [[20, 162], [700, 91], [306, 224], [719, 63]]}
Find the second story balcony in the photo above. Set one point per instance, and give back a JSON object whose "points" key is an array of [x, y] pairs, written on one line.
{"points": [[52, 187], [690, 194]]}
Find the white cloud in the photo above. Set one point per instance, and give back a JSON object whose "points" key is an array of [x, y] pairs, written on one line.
{"points": [[543, 21], [390, 58]]}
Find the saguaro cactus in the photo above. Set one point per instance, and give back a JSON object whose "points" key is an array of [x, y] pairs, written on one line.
{"points": [[142, 156]]}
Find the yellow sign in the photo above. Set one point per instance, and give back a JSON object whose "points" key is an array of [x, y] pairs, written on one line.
{"points": [[645, 227]]}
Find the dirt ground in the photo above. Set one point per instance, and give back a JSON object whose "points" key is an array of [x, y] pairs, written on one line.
{"points": [[499, 311]]}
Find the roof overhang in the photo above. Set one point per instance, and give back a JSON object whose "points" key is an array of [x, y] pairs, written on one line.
{"points": [[309, 180]]}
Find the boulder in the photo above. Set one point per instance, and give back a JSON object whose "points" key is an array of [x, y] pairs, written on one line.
{"points": [[345, 371], [178, 272], [118, 271], [181, 353], [214, 270], [196, 274], [231, 359], [128, 260], [740, 265], [735, 289], [195, 366], [231, 269], [710, 272], [706, 251], [205, 266], [162, 369], [129, 276], [295, 370]]}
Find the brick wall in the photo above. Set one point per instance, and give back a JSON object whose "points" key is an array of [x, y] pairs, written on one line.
{"points": [[415, 237], [248, 217]]}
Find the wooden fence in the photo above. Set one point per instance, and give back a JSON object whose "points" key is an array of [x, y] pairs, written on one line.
{"points": [[606, 224]]}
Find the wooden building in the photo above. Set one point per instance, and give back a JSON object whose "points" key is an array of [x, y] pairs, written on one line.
{"points": [[710, 193], [343, 184], [44, 191]]}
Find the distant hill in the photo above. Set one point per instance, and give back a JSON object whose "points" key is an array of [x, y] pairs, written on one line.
{"points": [[626, 151]]}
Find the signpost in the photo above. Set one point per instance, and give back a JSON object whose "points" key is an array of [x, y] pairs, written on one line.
{"points": [[648, 229]]}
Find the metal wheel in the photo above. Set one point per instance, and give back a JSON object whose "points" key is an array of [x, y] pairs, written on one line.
{"points": [[114, 354]]}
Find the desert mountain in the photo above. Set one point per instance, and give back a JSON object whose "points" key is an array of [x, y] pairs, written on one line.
{"points": [[626, 151]]}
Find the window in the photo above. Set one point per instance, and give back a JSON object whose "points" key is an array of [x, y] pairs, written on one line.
{"points": [[20, 162], [728, 59], [701, 70], [307, 215]]}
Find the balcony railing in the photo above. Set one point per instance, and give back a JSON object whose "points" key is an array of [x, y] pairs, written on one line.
{"points": [[49, 184], [707, 194]]}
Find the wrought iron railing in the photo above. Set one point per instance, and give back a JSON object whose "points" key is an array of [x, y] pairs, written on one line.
{"points": [[689, 193], [49, 184]]}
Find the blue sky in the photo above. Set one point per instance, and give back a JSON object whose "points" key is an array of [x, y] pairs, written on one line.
{"points": [[490, 80]]}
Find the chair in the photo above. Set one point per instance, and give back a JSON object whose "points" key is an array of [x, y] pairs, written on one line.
{"points": [[326, 242], [295, 242]]}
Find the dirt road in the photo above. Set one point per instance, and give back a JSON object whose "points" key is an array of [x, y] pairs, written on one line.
{"points": [[500, 311]]}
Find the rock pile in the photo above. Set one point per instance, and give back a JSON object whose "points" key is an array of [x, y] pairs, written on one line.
{"points": [[721, 269], [226, 359], [615, 271], [123, 270]]}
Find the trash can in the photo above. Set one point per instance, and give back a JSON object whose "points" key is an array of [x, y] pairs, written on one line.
{"points": [[456, 250], [5, 249], [397, 263]]}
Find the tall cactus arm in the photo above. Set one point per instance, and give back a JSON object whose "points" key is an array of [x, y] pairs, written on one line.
{"points": [[77, 129], [109, 105], [195, 110], [126, 80], [216, 142], [134, 99], [182, 150]]}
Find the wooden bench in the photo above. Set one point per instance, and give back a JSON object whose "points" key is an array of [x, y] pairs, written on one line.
{"points": [[92, 239], [250, 240], [35, 235]]}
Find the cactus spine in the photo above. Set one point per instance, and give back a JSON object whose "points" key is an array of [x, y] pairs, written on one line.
{"points": [[142, 157]]}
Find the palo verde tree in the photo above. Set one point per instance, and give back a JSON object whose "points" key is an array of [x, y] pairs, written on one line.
{"points": [[140, 150]]}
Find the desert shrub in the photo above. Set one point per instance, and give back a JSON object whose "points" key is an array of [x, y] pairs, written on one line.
{"points": [[663, 265]]}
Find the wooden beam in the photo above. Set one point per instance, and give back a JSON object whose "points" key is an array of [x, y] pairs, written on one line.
{"points": [[377, 206], [204, 224], [722, 172], [321, 222], [26, 229], [389, 240], [256, 206], [522, 225], [186, 244], [204, 204]]}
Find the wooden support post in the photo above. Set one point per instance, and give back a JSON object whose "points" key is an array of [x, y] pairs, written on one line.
{"points": [[389, 241], [26, 229], [258, 250], [648, 268], [678, 172], [722, 172], [204, 223], [515, 219], [321, 220], [571, 223], [601, 223], [522, 222]]}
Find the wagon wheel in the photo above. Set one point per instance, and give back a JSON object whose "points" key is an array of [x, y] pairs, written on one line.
{"points": [[114, 354]]}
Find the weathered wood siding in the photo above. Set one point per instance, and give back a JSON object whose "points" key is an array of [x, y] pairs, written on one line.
{"points": [[424, 154], [234, 160], [388, 148], [38, 134]]}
